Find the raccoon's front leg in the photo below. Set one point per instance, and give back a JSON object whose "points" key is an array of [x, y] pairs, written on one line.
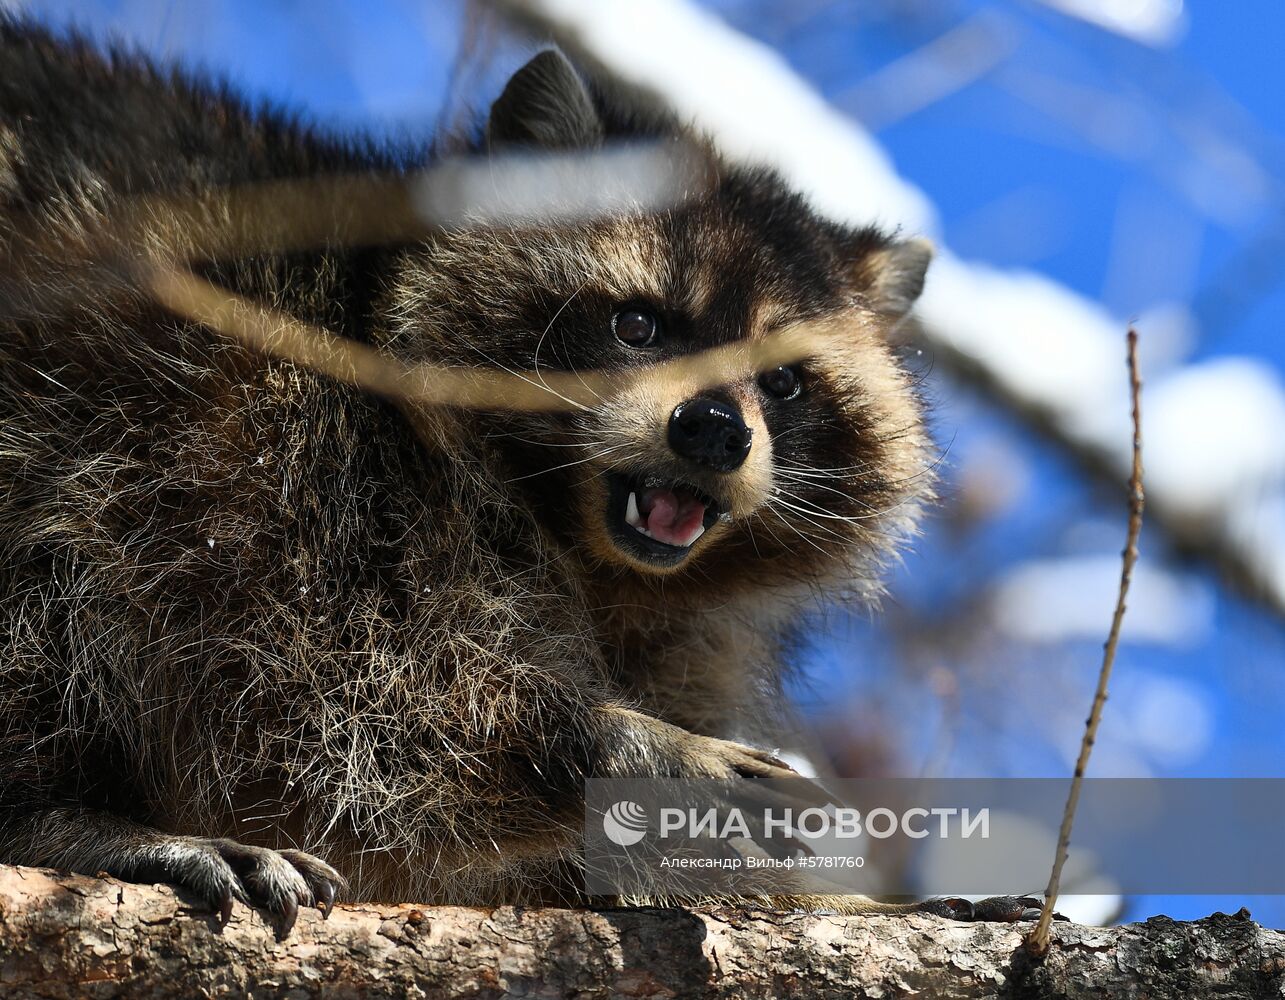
{"points": [[656, 748], [641, 746], [217, 869], [646, 747]]}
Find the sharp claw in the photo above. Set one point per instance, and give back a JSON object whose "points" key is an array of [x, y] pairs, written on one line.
{"points": [[289, 914], [952, 908], [225, 908], [239, 893], [326, 899], [963, 908]]}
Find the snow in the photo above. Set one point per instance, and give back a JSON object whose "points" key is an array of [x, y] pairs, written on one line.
{"points": [[1214, 434], [1072, 598], [561, 188], [1153, 22]]}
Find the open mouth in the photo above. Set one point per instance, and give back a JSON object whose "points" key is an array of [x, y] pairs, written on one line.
{"points": [[655, 520]]}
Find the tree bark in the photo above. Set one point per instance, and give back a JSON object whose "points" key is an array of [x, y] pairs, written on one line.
{"points": [[71, 936]]}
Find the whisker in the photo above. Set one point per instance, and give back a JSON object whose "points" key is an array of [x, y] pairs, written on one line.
{"points": [[514, 436], [629, 458], [541, 384], [817, 485], [792, 526], [545, 333], [567, 465], [862, 467], [822, 512]]}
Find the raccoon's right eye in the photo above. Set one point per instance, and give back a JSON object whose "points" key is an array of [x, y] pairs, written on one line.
{"points": [[783, 382], [635, 327]]}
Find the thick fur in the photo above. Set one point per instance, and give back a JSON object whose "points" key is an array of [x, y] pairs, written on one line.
{"points": [[239, 600]]}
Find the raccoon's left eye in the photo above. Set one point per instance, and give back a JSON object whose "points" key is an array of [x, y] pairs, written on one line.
{"points": [[635, 327], [783, 383]]}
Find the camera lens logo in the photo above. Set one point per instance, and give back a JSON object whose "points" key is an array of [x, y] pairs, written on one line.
{"points": [[625, 823]]}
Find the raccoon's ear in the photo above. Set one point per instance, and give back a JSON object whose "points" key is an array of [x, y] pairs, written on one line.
{"points": [[545, 104], [894, 275]]}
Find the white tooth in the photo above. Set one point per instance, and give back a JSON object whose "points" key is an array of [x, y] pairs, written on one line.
{"points": [[700, 530], [632, 517]]}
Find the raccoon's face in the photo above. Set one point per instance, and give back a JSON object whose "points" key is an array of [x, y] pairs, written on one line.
{"points": [[785, 473]]}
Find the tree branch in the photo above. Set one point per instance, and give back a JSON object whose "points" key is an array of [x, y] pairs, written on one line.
{"points": [[72, 936]]}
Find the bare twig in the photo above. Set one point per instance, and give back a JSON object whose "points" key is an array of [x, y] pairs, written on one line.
{"points": [[1038, 941]]}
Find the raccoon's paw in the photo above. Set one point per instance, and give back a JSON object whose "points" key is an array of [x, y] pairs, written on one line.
{"points": [[740, 771], [279, 882], [673, 752], [994, 909]]}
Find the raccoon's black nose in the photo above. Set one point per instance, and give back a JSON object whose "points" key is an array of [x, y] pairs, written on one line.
{"points": [[709, 432]]}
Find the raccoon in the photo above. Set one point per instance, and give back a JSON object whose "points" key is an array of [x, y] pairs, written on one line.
{"points": [[251, 617]]}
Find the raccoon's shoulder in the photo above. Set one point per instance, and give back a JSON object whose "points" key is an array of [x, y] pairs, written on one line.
{"points": [[72, 111]]}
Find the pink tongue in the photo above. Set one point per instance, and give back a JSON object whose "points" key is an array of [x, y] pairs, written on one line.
{"points": [[670, 517]]}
